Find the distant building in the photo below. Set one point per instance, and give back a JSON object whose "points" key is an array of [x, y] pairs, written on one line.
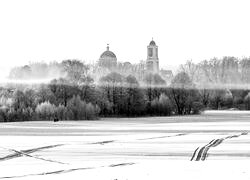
{"points": [[124, 67], [140, 69], [108, 62], [152, 62], [167, 75], [108, 59]]}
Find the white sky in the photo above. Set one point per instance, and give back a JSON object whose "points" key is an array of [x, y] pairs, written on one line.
{"points": [[47, 30]]}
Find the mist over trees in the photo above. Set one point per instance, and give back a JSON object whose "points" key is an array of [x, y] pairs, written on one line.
{"points": [[37, 70], [222, 82], [76, 94], [227, 71]]}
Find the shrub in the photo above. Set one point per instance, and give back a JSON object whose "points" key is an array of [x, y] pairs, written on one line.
{"points": [[197, 107], [91, 111], [227, 99], [162, 106], [247, 101], [80, 110], [135, 101], [61, 112], [216, 98], [6, 102], [105, 107], [3, 114], [165, 104], [76, 108], [46, 110], [26, 114], [153, 108]]}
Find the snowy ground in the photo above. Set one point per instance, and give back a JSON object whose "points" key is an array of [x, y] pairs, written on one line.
{"points": [[124, 149]]}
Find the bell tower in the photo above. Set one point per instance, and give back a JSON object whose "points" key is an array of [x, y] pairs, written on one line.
{"points": [[152, 62]]}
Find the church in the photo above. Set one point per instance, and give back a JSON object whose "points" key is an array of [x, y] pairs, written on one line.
{"points": [[108, 60]]}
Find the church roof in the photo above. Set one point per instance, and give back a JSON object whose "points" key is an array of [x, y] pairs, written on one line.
{"points": [[108, 54], [152, 43]]}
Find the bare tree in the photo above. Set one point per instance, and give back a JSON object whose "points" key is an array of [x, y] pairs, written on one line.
{"points": [[190, 68]]}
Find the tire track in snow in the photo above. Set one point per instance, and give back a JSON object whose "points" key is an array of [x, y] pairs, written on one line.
{"points": [[201, 153], [180, 134], [103, 142], [159, 137], [62, 171], [27, 153], [116, 141]]}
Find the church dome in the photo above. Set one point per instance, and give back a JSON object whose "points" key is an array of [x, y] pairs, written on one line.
{"points": [[108, 59], [152, 43], [108, 54]]}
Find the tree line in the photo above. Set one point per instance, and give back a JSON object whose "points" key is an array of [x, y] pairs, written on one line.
{"points": [[227, 70], [76, 96]]}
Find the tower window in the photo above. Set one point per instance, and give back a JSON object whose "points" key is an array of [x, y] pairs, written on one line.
{"points": [[150, 52]]}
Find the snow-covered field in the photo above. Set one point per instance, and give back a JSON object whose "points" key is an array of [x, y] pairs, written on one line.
{"points": [[128, 148]]}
